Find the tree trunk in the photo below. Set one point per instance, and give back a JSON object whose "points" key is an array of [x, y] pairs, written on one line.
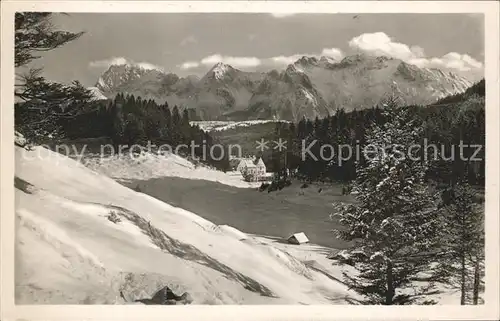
{"points": [[477, 282], [389, 296], [462, 281]]}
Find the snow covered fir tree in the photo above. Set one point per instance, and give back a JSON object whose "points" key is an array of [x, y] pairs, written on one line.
{"points": [[400, 238], [463, 231], [394, 221], [206, 182], [41, 103]]}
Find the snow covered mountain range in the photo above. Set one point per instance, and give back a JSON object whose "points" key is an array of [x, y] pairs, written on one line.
{"points": [[309, 87]]}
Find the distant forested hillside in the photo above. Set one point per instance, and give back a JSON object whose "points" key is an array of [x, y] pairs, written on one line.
{"points": [[454, 119], [129, 120]]}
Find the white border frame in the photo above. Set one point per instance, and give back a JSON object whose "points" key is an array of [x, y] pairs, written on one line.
{"points": [[9, 311]]}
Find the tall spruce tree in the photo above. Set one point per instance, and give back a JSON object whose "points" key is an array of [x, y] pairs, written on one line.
{"points": [[176, 128], [463, 237], [117, 123], [393, 223], [41, 104], [186, 131]]}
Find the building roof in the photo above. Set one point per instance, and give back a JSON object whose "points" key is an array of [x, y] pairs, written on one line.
{"points": [[260, 162], [234, 162], [247, 163]]}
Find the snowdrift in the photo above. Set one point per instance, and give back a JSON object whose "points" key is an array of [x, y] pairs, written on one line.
{"points": [[82, 238]]}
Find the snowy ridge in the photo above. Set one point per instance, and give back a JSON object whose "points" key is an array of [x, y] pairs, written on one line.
{"points": [[119, 75], [296, 68], [97, 94], [310, 97], [149, 165], [357, 81], [327, 60], [219, 70], [209, 126]]}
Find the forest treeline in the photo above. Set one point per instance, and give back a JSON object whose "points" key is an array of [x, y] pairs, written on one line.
{"points": [[455, 120], [128, 120]]}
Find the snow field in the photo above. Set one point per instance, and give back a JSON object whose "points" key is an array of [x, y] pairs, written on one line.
{"points": [[70, 252]]}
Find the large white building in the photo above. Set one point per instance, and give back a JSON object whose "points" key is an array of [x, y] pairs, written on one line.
{"points": [[251, 168]]}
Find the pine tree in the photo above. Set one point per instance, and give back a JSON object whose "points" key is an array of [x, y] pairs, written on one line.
{"points": [[117, 122], [42, 104], [393, 223], [292, 148], [133, 130], [186, 128], [463, 237], [165, 124], [175, 129]]}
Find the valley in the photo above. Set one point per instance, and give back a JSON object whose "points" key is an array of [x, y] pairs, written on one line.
{"points": [[278, 214]]}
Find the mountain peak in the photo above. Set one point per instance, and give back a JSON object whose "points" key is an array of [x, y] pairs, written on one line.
{"points": [[327, 59], [220, 64], [118, 77], [307, 61], [306, 87], [363, 58], [96, 94]]}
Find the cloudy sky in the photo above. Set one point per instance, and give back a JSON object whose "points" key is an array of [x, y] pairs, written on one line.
{"points": [[191, 43]]}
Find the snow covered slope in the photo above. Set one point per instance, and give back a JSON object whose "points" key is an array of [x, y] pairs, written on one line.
{"points": [[221, 125], [83, 238], [149, 165], [96, 94]]}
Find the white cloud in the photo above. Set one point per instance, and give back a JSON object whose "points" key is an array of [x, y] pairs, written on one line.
{"points": [[379, 43], [106, 63], [418, 51], [238, 62], [452, 60], [189, 65], [188, 40], [147, 65], [333, 52], [286, 60], [235, 61], [252, 62]]}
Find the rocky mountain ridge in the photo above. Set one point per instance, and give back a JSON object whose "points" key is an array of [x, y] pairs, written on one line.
{"points": [[310, 87]]}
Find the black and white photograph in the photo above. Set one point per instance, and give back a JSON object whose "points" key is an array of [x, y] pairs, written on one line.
{"points": [[250, 158]]}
